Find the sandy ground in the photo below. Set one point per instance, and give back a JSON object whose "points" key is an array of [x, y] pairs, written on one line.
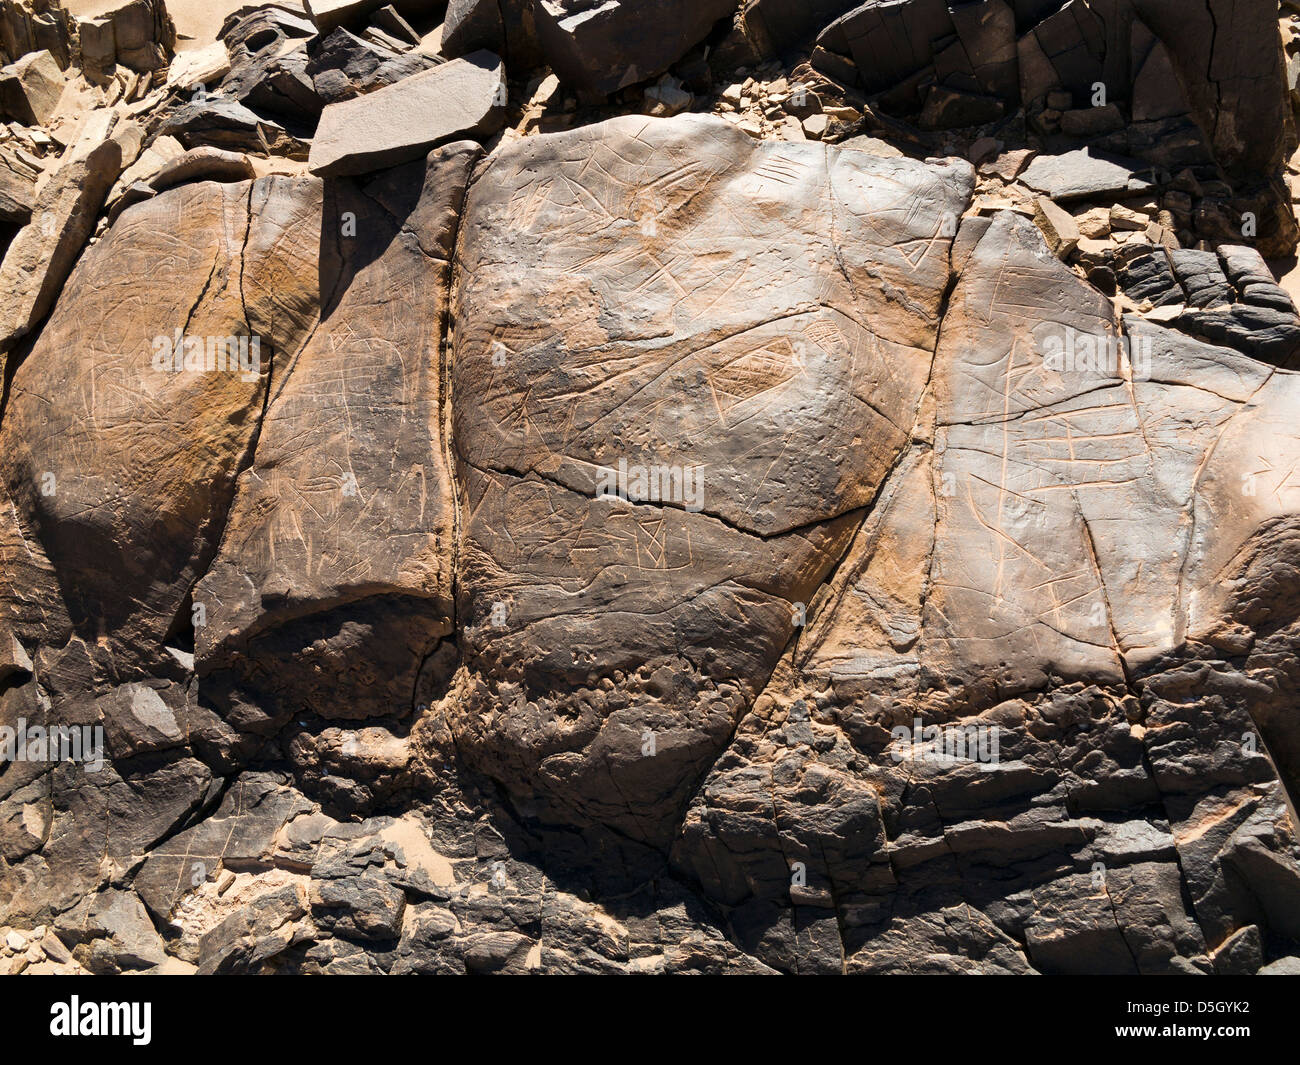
{"points": [[197, 21]]}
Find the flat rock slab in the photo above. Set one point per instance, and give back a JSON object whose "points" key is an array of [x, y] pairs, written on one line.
{"points": [[401, 122], [1083, 175]]}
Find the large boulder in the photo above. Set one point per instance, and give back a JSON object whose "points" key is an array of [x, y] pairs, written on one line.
{"points": [[600, 46], [30, 88], [1009, 588], [139, 35], [508, 28]]}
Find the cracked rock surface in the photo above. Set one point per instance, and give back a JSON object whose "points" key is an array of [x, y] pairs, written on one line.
{"points": [[716, 543]]}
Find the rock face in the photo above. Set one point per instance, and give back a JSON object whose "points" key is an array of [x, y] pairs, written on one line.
{"points": [[341, 537], [686, 544], [145, 444], [139, 35], [788, 411]]}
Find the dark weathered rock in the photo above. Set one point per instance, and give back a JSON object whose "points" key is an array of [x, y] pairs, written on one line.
{"points": [[776, 25], [138, 720], [472, 25], [1238, 104], [1084, 175], [389, 21], [241, 833], [120, 935], [1146, 273], [507, 27], [345, 66], [222, 122], [600, 46], [1201, 276], [889, 40], [330, 14], [266, 73], [139, 35], [25, 29], [651, 549], [1264, 332], [253, 935]]}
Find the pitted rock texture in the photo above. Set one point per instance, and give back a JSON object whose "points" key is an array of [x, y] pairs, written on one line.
{"points": [[401, 666]]}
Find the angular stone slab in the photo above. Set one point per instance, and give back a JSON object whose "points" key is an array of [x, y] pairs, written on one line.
{"points": [[401, 122], [1084, 174], [30, 88]]}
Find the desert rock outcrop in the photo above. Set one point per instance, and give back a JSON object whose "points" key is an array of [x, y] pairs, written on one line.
{"points": [[796, 488]]}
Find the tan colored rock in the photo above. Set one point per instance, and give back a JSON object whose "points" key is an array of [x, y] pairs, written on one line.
{"points": [[1125, 218], [1094, 223], [161, 151], [132, 451], [30, 88], [639, 495], [203, 66], [659, 338], [1058, 227], [63, 217], [17, 186], [873, 146], [202, 164]]}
